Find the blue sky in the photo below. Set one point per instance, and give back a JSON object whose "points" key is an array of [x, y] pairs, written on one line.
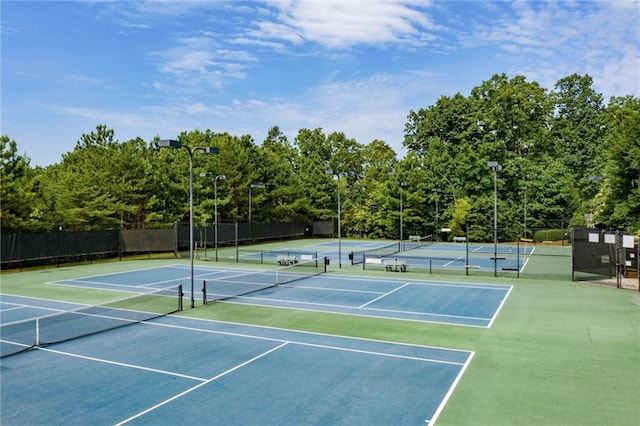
{"points": [[157, 68]]}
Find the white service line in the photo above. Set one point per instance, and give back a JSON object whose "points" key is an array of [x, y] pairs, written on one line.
{"points": [[173, 398]]}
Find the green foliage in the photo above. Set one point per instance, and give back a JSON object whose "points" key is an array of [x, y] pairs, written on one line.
{"points": [[460, 216], [620, 194], [565, 157], [16, 187]]}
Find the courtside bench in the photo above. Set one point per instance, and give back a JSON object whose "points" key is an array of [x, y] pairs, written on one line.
{"points": [[395, 265], [287, 260]]}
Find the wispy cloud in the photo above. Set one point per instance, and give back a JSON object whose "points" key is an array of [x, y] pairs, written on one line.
{"points": [[557, 39], [96, 115], [201, 62], [7, 29], [343, 24], [368, 108]]}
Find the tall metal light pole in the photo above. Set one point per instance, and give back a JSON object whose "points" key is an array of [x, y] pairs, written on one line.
{"points": [[253, 185], [169, 143], [401, 185], [496, 168], [435, 191], [339, 230], [215, 197], [524, 188], [337, 175], [215, 208]]}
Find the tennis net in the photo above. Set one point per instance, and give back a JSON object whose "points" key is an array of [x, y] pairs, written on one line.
{"points": [[241, 283], [19, 336], [266, 256], [359, 256], [416, 242]]}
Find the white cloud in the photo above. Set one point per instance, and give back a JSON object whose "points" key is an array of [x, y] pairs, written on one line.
{"points": [[365, 109], [343, 24], [96, 115], [199, 62], [621, 75], [556, 39], [6, 28]]}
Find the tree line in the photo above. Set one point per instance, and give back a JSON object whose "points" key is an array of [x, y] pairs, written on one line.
{"points": [[566, 158]]}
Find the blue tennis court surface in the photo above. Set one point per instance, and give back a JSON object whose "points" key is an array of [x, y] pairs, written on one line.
{"points": [[442, 302], [175, 370], [424, 256]]}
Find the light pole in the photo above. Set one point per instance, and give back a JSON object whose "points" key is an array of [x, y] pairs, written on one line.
{"points": [[215, 208], [169, 143], [401, 185], [254, 185], [525, 212], [337, 175], [496, 168], [215, 211], [435, 191]]}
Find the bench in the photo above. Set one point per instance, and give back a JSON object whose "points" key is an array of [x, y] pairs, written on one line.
{"points": [[395, 265], [459, 239], [287, 260], [415, 238]]}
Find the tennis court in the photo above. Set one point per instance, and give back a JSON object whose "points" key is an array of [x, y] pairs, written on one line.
{"points": [[423, 256], [534, 363], [176, 370], [299, 287]]}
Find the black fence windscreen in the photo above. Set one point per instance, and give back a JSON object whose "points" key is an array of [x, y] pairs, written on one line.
{"points": [[23, 250], [594, 252], [601, 254], [148, 240], [205, 236], [18, 249]]}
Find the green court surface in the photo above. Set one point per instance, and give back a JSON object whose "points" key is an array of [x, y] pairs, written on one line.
{"points": [[558, 353]]}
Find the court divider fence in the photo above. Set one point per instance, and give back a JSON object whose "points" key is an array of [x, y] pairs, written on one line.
{"points": [[466, 254], [580, 254], [18, 251]]}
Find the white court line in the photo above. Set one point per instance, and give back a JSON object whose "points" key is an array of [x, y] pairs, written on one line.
{"points": [[433, 419], [117, 273], [224, 373], [384, 295], [453, 261], [87, 280], [40, 299], [18, 306], [22, 306], [122, 364], [317, 345], [13, 308], [358, 314], [382, 354], [340, 290], [24, 345], [79, 283], [388, 310], [504, 300]]}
